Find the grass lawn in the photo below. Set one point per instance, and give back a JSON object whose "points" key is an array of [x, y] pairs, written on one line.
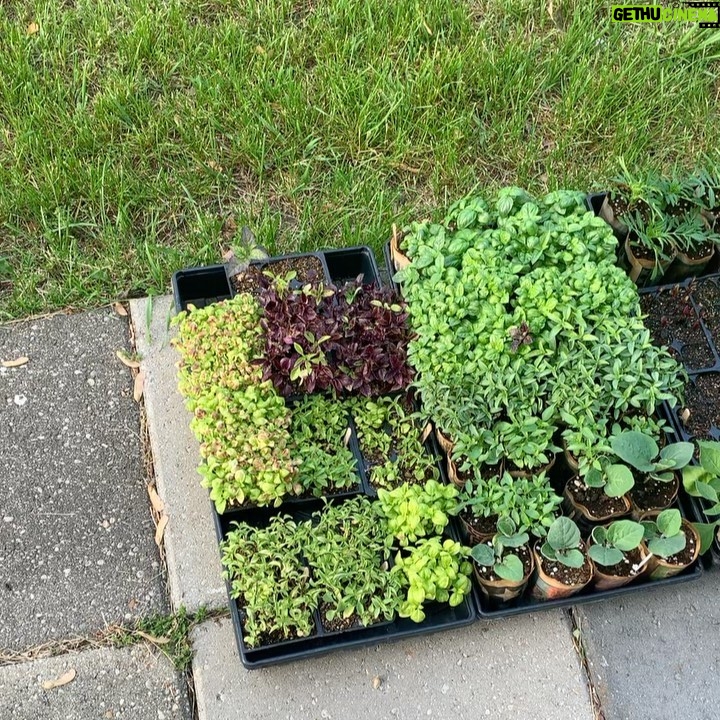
{"points": [[137, 136]]}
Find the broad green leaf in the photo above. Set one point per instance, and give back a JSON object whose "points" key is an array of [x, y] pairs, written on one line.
{"points": [[483, 555], [635, 448], [619, 480], [666, 546], [572, 558], [691, 475], [605, 555], [505, 526], [594, 478], [599, 535], [516, 540], [669, 522], [707, 532], [710, 456], [511, 568], [625, 535], [563, 534], [679, 453]]}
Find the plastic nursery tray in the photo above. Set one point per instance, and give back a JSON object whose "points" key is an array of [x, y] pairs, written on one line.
{"points": [[346, 264], [438, 616], [201, 286], [390, 267]]}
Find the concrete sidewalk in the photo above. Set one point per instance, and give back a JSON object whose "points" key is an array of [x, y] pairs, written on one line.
{"points": [[77, 556]]}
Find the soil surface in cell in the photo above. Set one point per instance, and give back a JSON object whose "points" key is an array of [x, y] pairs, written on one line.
{"points": [[308, 270], [598, 504], [625, 567], [651, 494], [702, 401], [672, 318], [564, 574], [480, 525], [523, 553], [707, 295]]}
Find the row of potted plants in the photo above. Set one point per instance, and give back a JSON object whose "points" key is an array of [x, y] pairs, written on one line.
{"points": [[668, 223]]}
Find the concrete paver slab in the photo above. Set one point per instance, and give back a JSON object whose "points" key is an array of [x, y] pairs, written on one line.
{"points": [[76, 536], [523, 668], [133, 684], [656, 655], [191, 547]]}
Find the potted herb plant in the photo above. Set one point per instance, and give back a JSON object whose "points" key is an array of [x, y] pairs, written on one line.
{"points": [[703, 481], [562, 564], [618, 552], [504, 564], [672, 541], [657, 484], [531, 503]]}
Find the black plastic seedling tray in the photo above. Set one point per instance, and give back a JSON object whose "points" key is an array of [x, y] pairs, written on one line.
{"points": [[200, 286], [346, 264], [390, 267], [439, 616]]}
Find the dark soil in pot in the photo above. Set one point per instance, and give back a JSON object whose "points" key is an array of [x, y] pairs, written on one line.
{"points": [[702, 400], [651, 494], [480, 525], [707, 295], [308, 269], [595, 499], [702, 251], [685, 556], [672, 318], [564, 574], [525, 555], [625, 567]]}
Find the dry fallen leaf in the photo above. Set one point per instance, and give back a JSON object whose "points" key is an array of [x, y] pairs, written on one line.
{"points": [[120, 309], [160, 530], [138, 387], [32, 28], [152, 638], [426, 432], [127, 361], [15, 363], [685, 415], [346, 439], [64, 679], [155, 501], [376, 682]]}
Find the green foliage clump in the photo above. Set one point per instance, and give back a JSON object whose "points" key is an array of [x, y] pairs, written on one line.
{"points": [[434, 569], [241, 422], [524, 325], [416, 511], [507, 566], [530, 503], [270, 580], [347, 552], [390, 439], [320, 432]]}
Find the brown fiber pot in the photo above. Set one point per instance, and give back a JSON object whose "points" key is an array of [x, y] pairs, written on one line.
{"points": [[399, 259], [658, 568], [685, 267], [502, 591], [475, 537], [548, 588], [640, 265], [603, 581], [445, 443], [575, 509]]}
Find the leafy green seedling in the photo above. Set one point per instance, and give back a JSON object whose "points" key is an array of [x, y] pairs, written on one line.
{"points": [[664, 535], [704, 480], [563, 543], [642, 452], [506, 566], [609, 544]]}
